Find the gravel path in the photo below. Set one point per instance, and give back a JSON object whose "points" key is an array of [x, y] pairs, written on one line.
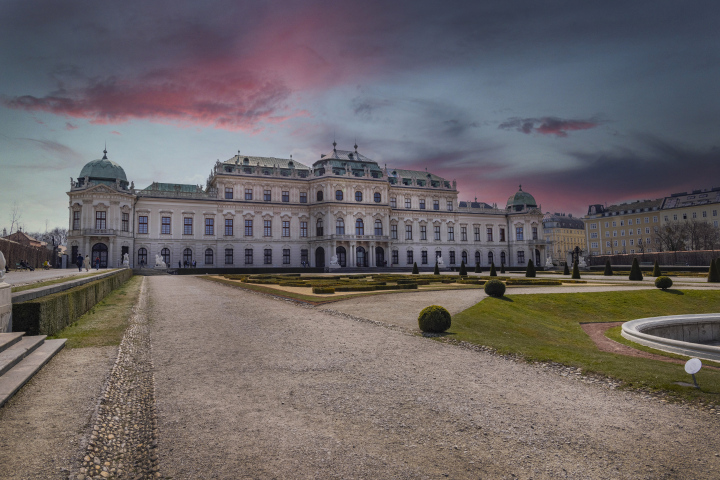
{"points": [[252, 387]]}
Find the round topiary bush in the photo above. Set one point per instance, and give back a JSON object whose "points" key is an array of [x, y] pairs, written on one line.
{"points": [[434, 319], [663, 282], [495, 288]]}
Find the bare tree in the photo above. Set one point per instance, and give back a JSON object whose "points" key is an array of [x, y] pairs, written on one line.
{"points": [[15, 216], [672, 236]]}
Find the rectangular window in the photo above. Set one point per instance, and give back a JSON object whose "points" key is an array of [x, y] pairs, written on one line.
{"points": [[303, 229], [704, 214], [647, 219], [615, 243], [534, 233], [285, 196], [666, 218], [477, 233], [437, 233], [607, 244], [614, 224], [286, 256], [408, 232], [395, 256], [614, 233], [228, 227], [502, 234], [623, 243], [142, 224], [423, 256], [607, 234], [423, 232], [248, 256], [452, 257], [187, 226], [165, 225], [593, 226], [622, 233], [304, 256], [248, 194], [519, 234], [655, 218], [622, 223], [410, 259], [449, 205], [436, 204], [76, 222], [228, 193], [594, 245], [100, 220], [286, 228], [228, 256], [393, 203], [422, 204], [209, 226], [632, 242], [248, 228], [694, 214], [451, 234], [521, 257], [393, 232], [268, 256], [714, 213], [489, 234], [303, 197], [407, 202], [630, 222], [125, 221], [267, 195], [463, 234], [267, 228], [594, 235]]}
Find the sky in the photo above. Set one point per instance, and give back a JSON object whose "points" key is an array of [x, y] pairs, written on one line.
{"points": [[594, 102]]}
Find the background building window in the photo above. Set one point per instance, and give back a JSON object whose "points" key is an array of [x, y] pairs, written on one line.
{"points": [[142, 256], [267, 195], [519, 234], [395, 257], [422, 204], [286, 228], [165, 254], [319, 228], [248, 228], [452, 257], [187, 257], [267, 228], [76, 221], [410, 260], [100, 221], [377, 197], [285, 196], [393, 232], [521, 257], [408, 232], [451, 234], [534, 233], [340, 227], [437, 233], [209, 226], [286, 256], [228, 256], [477, 233], [408, 202], [490, 258], [464, 257], [338, 195], [423, 232], [449, 205], [248, 194], [478, 258], [502, 234], [142, 224], [228, 193], [359, 227], [268, 256], [436, 204], [463, 234], [303, 197], [502, 258], [423, 257], [304, 256], [378, 228], [319, 196], [303, 229], [393, 202], [165, 226], [228, 227], [187, 226], [358, 196], [208, 256], [248, 256], [125, 221]]}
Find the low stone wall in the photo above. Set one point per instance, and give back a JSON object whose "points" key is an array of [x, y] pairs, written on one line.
{"points": [[49, 314], [683, 334]]}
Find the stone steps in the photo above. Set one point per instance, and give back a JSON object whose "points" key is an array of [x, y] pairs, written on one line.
{"points": [[21, 357]]}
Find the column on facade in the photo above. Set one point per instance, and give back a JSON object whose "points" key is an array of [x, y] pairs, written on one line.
{"points": [[352, 254], [111, 253], [371, 252]]}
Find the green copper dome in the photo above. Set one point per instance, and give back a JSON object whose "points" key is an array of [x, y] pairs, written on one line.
{"points": [[521, 201], [103, 169]]}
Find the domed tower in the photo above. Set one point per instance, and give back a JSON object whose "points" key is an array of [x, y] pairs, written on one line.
{"points": [[103, 171], [521, 201]]}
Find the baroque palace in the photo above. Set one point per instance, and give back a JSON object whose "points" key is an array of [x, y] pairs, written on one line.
{"points": [[274, 212]]}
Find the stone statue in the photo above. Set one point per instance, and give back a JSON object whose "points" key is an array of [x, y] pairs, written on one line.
{"points": [[2, 266], [159, 262], [440, 262], [334, 262], [126, 260], [549, 263], [581, 262]]}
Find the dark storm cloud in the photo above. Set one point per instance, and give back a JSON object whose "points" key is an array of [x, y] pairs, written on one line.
{"points": [[547, 125], [235, 65]]}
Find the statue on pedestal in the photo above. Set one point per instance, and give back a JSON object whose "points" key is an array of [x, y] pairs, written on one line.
{"points": [[440, 262], [159, 262], [126, 260], [334, 262], [549, 263], [2, 267]]}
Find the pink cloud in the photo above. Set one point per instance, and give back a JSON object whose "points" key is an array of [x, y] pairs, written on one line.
{"points": [[115, 132]]}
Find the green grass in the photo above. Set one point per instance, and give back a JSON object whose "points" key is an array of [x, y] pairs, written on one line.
{"points": [[546, 327], [55, 281], [106, 322]]}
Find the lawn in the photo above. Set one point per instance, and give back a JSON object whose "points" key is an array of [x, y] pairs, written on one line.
{"points": [[546, 327]]}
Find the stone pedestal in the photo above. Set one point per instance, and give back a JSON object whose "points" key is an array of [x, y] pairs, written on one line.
{"points": [[5, 308]]}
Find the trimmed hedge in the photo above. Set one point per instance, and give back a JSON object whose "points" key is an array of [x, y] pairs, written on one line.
{"points": [[434, 319], [530, 281], [49, 314], [635, 272], [663, 282], [530, 270], [323, 290], [495, 288], [608, 269]]}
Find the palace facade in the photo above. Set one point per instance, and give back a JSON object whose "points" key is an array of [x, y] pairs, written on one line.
{"points": [[274, 212]]}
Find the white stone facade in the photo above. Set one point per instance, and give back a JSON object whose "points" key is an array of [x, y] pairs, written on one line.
{"points": [[269, 212]]}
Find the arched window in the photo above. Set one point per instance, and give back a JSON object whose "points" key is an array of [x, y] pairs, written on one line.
{"points": [[464, 257], [361, 257], [319, 196], [340, 227], [378, 228], [319, 227], [358, 196], [359, 227], [187, 257], [490, 258], [502, 258], [142, 256], [378, 198], [478, 258], [165, 254], [208, 256], [338, 195]]}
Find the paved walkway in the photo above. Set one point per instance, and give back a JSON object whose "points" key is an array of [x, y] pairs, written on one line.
{"points": [[39, 275], [252, 387]]}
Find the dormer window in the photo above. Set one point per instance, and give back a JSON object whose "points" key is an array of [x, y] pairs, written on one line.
{"points": [[246, 161]]}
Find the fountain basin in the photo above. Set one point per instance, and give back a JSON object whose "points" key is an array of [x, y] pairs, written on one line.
{"points": [[690, 335]]}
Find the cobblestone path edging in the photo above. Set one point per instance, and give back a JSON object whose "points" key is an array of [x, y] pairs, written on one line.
{"points": [[124, 436]]}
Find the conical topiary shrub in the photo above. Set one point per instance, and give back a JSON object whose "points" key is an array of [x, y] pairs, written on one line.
{"points": [[502, 268], [415, 269], [463, 270], [566, 271], [608, 269], [437, 269], [478, 269], [530, 270], [656, 270], [493, 273], [576, 271], [713, 276], [635, 272]]}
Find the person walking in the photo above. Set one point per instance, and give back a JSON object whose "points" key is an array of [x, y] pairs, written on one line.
{"points": [[79, 262], [87, 263], [97, 263]]}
